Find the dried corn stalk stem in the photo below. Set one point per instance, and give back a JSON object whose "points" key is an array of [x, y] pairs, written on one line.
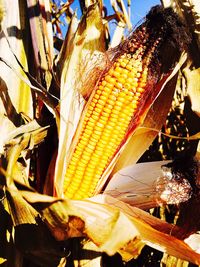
{"points": [[121, 97]]}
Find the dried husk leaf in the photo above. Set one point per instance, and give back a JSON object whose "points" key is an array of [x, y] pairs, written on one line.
{"points": [[31, 236], [120, 229], [155, 118], [87, 39], [136, 184], [194, 242], [18, 144], [89, 256], [118, 34], [21, 212], [15, 96]]}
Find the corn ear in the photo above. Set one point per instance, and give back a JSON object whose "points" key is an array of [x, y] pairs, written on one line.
{"points": [[117, 106]]}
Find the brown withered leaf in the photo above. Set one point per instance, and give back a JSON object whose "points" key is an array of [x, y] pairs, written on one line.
{"points": [[31, 237], [111, 228]]}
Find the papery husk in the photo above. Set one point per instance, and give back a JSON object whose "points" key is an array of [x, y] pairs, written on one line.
{"points": [[31, 236], [110, 228], [18, 144], [194, 242], [137, 184], [88, 255], [154, 115], [79, 46], [118, 34]]}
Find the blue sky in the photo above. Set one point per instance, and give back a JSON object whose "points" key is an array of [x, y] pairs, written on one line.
{"points": [[139, 8]]}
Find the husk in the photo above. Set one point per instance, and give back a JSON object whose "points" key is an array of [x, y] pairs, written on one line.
{"points": [[155, 118], [136, 184], [121, 228], [79, 45]]}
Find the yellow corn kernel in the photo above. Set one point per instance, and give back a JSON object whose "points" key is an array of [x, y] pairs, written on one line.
{"points": [[105, 124]]}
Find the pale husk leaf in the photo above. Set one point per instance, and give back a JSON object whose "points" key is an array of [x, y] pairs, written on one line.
{"points": [[136, 184], [87, 39]]}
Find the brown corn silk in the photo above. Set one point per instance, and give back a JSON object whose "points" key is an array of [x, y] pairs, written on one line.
{"points": [[120, 99]]}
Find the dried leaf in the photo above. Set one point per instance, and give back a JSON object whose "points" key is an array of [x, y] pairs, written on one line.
{"points": [[118, 34], [15, 95], [120, 229], [194, 242], [193, 88], [87, 39], [137, 184], [42, 37]]}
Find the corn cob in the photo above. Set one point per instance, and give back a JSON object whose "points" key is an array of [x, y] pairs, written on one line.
{"points": [[106, 122], [110, 111]]}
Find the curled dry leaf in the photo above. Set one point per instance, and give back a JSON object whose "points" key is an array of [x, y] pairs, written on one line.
{"points": [[123, 226], [18, 144]]}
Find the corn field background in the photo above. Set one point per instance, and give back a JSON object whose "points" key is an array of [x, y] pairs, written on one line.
{"points": [[144, 210]]}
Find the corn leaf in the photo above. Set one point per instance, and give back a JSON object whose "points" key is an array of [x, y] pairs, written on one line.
{"points": [[42, 37], [91, 216], [15, 95]]}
